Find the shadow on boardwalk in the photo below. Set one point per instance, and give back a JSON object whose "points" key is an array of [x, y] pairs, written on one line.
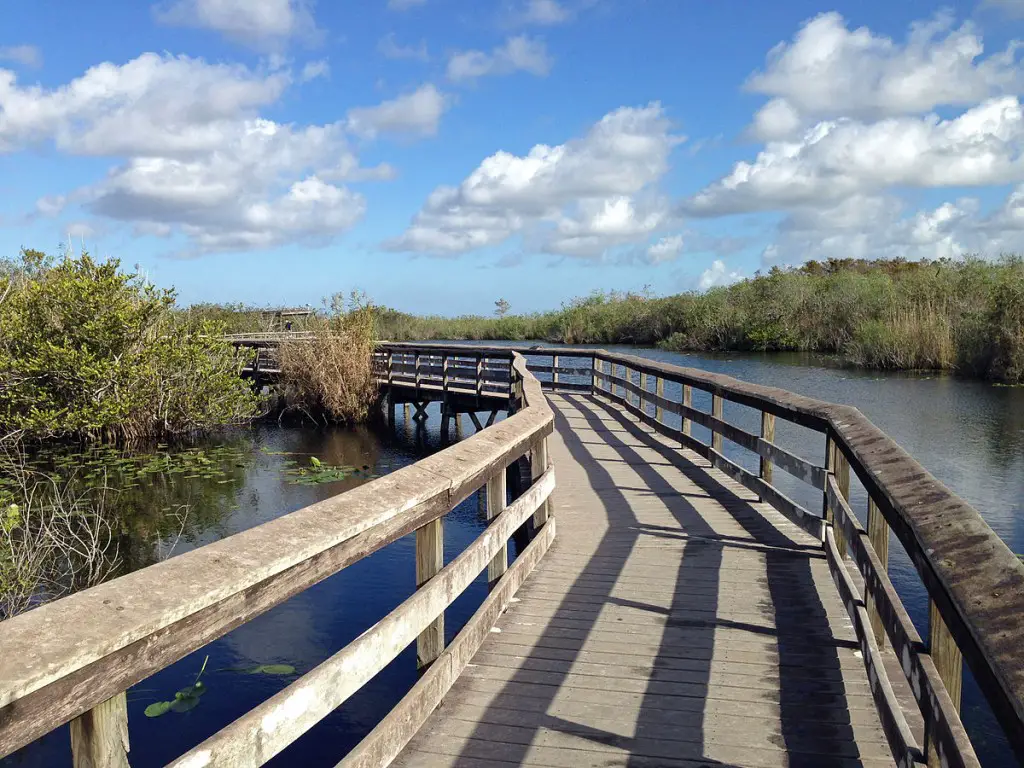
{"points": [[673, 623]]}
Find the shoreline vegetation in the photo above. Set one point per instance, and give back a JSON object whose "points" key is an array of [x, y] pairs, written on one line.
{"points": [[963, 316]]}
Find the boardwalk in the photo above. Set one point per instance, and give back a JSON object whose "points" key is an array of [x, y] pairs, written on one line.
{"points": [[676, 621]]}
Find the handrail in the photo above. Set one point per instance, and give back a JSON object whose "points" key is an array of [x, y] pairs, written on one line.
{"points": [[975, 583], [74, 658]]}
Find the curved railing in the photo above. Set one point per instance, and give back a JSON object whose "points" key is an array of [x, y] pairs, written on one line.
{"points": [[974, 582], [72, 660]]}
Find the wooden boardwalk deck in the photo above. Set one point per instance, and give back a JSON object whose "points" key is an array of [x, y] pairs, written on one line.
{"points": [[676, 621]]}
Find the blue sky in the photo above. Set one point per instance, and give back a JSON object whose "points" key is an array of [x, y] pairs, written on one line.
{"points": [[439, 154]]}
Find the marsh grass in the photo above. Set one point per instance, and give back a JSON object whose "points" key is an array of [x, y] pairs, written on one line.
{"points": [[329, 377], [964, 315]]}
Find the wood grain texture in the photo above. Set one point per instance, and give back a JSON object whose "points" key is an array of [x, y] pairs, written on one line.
{"points": [[676, 621], [99, 738], [429, 562]]}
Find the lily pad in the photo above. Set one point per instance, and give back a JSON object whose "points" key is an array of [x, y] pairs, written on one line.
{"points": [[158, 708]]}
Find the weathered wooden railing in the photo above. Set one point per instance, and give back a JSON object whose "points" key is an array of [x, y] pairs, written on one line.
{"points": [[479, 372], [72, 660], [975, 583]]}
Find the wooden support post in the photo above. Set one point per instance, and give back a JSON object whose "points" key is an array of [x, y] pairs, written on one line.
{"points": [[596, 364], [717, 408], [476, 421], [768, 435], [458, 426], [429, 560], [949, 663], [554, 372], [417, 364], [878, 533], [99, 738], [841, 467], [479, 376], [391, 367], [688, 402], [538, 464], [643, 387], [659, 389], [391, 410], [495, 506]]}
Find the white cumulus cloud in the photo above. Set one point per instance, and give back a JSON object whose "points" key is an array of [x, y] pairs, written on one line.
{"points": [[266, 24], [718, 275], [25, 55], [389, 48], [829, 70], [578, 198], [838, 159], [417, 112], [194, 157], [519, 53]]}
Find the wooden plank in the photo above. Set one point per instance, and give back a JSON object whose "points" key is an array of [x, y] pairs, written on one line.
{"points": [[391, 735], [628, 648], [99, 738], [429, 562], [905, 750], [942, 721], [265, 730]]}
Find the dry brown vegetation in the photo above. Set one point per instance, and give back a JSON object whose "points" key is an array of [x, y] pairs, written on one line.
{"points": [[328, 376]]}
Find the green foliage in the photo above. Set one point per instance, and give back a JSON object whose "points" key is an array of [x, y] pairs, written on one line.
{"points": [[89, 351], [184, 700], [964, 315]]}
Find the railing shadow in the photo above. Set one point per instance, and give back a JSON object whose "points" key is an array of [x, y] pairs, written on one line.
{"points": [[803, 693]]}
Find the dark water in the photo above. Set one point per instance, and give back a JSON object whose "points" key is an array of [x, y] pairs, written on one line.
{"points": [[251, 481], [968, 434]]}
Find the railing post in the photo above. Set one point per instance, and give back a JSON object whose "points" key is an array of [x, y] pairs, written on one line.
{"points": [[429, 560], [768, 435], [949, 663], [878, 533], [597, 366], [391, 367], [495, 506], [417, 364], [99, 738], [643, 387], [554, 373], [659, 390], [538, 466], [717, 409], [688, 402], [841, 467], [479, 376]]}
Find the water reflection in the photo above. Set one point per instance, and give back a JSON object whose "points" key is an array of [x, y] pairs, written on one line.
{"points": [[245, 486]]}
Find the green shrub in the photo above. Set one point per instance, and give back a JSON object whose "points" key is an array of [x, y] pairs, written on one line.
{"points": [[91, 352]]}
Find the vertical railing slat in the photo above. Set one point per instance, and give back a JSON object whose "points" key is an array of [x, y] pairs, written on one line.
{"points": [[495, 506], [99, 738], [429, 561]]}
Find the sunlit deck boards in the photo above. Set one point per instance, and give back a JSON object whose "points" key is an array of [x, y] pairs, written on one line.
{"points": [[676, 621]]}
